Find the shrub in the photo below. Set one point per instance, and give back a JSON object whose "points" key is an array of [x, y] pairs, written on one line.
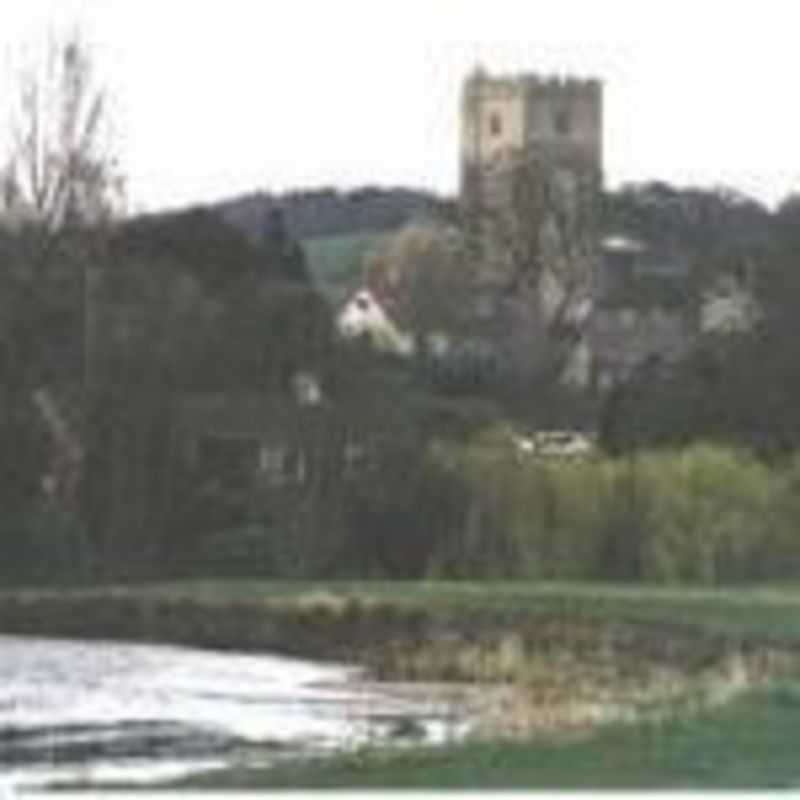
{"points": [[703, 514], [43, 545], [712, 509]]}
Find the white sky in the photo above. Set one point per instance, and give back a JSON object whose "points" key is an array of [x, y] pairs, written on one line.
{"points": [[212, 98]]}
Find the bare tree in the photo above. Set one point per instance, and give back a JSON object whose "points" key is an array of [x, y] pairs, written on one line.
{"points": [[59, 187], [60, 183], [60, 171], [424, 277]]}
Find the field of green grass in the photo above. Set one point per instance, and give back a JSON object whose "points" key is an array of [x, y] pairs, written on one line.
{"points": [[335, 262], [766, 612]]}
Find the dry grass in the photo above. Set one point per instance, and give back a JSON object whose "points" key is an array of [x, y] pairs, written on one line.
{"points": [[563, 678]]}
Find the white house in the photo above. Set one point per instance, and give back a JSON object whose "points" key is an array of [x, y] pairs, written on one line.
{"points": [[363, 316]]}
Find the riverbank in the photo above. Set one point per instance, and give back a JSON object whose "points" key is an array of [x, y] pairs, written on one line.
{"points": [[749, 743], [755, 612], [422, 630], [560, 659]]}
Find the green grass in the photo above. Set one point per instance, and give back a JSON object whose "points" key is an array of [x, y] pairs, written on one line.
{"points": [[763, 611], [336, 262], [750, 743]]}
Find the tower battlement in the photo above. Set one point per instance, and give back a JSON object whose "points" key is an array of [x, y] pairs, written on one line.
{"points": [[482, 81], [504, 117]]}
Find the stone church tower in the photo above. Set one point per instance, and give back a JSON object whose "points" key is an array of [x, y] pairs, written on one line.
{"points": [[531, 180], [505, 120]]}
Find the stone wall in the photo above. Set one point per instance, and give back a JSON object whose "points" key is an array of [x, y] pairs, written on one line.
{"points": [[623, 339]]}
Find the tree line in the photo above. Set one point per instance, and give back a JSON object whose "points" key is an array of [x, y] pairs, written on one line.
{"points": [[401, 470]]}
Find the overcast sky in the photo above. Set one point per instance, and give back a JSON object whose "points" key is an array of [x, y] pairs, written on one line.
{"points": [[214, 98]]}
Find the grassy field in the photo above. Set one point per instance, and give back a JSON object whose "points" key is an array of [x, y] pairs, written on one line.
{"points": [[335, 262], [768, 612]]}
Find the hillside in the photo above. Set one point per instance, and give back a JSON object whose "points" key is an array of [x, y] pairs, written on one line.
{"points": [[319, 213], [336, 228], [335, 262]]}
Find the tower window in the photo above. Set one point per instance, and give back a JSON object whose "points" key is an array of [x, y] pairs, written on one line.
{"points": [[563, 122], [495, 125]]}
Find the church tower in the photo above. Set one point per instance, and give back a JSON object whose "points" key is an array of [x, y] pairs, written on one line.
{"points": [[531, 181], [506, 120]]}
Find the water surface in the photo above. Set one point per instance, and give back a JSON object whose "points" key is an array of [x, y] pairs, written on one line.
{"points": [[95, 711]]}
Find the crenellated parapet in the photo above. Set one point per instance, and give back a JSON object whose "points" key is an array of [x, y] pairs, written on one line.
{"points": [[485, 84], [559, 118], [509, 120]]}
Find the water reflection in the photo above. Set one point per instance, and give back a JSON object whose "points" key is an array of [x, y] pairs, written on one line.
{"points": [[99, 711]]}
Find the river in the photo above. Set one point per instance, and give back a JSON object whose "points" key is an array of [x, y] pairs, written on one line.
{"points": [[95, 712]]}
